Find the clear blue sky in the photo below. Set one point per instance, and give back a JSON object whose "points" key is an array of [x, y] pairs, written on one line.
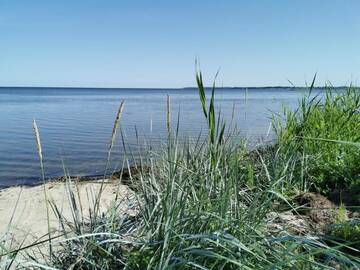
{"points": [[154, 43]]}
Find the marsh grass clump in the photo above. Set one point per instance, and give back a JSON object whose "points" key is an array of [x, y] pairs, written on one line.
{"points": [[323, 136], [206, 205], [101, 246]]}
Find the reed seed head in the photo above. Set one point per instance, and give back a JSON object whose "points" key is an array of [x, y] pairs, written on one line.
{"points": [[37, 138]]}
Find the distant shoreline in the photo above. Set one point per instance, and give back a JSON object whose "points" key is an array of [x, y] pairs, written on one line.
{"points": [[175, 88]]}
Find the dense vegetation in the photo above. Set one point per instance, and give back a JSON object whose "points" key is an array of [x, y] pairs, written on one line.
{"points": [[323, 135], [207, 204]]}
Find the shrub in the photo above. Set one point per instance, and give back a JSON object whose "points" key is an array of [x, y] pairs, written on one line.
{"points": [[317, 135]]}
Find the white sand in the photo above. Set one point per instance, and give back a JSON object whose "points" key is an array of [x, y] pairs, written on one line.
{"points": [[25, 207]]}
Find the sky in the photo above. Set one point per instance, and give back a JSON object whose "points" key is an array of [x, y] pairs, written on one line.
{"points": [[155, 43]]}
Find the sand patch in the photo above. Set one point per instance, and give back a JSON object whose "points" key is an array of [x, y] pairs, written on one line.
{"points": [[23, 209]]}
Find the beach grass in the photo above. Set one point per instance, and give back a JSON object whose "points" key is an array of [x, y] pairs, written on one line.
{"points": [[205, 204]]}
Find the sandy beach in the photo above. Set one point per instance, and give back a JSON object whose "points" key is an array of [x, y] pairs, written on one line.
{"points": [[23, 209]]}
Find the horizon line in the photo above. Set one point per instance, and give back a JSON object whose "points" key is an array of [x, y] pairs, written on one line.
{"points": [[175, 88]]}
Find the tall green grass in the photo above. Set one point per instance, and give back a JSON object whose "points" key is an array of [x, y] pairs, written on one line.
{"points": [[204, 207], [314, 136]]}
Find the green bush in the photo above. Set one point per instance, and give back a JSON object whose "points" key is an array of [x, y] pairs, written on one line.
{"points": [[322, 134]]}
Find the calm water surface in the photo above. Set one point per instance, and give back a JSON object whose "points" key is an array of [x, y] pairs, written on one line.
{"points": [[76, 124]]}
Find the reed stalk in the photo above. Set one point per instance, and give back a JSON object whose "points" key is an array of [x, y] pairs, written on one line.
{"points": [[39, 149], [112, 142], [113, 134], [168, 113]]}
